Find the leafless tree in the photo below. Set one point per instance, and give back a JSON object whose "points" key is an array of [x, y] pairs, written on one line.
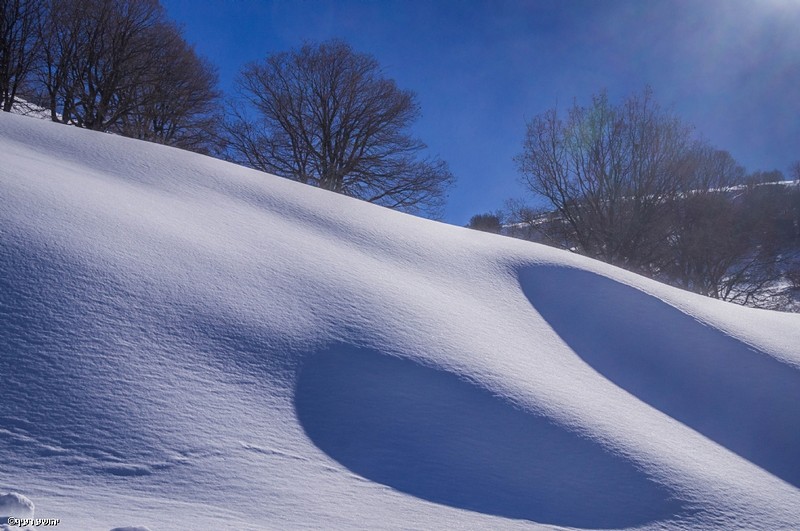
{"points": [[768, 216], [708, 169], [629, 185], [708, 237], [120, 65], [765, 177], [610, 172], [707, 241], [538, 224], [93, 52], [19, 45], [327, 116], [794, 171], [177, 102], [488, 222]]}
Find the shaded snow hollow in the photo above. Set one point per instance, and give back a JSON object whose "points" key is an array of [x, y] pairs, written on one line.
{"points": [[188, 344]]}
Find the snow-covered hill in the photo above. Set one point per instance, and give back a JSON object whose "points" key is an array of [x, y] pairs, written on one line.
{"points": [[188, 344]]}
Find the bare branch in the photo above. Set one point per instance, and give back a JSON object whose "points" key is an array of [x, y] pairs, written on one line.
{"points": [[326, 116]]}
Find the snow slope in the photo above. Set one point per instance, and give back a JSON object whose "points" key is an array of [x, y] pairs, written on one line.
{"points": [[188, 344]]}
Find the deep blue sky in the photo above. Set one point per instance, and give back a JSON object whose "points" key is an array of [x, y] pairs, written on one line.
{"points": [[482, 68]]}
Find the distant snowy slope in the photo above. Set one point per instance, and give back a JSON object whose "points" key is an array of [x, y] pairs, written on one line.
{"points": [[188, 344]]}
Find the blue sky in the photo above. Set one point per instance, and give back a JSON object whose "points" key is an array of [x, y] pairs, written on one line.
{"points": [[480, 69]]}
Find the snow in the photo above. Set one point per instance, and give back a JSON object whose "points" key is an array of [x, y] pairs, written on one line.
{"points": [[26, 108], [15, 504], [188, 344]]}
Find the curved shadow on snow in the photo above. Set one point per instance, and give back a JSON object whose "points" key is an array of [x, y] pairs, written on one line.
{"points": [[743, 399], [428, 433]]}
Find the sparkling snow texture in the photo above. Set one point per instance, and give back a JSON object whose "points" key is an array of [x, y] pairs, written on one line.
{"points": [[188, 344]]}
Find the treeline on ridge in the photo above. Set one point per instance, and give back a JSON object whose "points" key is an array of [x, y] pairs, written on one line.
{"points": [[322, 114], [631, 184], [109, 65]]}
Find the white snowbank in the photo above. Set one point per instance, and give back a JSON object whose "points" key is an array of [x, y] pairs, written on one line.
{"points": [[204, 346], [15, 507], [26, 108], [15, 504]]}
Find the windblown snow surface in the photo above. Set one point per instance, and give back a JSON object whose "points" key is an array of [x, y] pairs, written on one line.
{"points": [[188, 344]]}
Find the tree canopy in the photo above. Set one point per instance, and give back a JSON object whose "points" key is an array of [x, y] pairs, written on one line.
{"points": [[326, 115]]}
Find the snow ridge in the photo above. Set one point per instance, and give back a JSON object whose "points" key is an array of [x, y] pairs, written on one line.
{"points": [[188, 344]]}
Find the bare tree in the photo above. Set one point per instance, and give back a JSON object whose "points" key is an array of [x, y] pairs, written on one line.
{"points": [[327, 116], [708, 239], [794, 171], [765, 177], [61, 33], [120, 65], [768, 217], [630, 186], [94, 51], [177, 102], [536, 224], [708, 236], [610, 172], [19, 45], [709, 169], [489, 222]]}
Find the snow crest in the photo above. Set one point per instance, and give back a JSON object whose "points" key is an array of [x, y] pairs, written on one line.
{"points": [[194, 344]]}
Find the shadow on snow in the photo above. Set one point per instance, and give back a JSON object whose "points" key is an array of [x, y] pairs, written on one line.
{"points": [[743, 399], [428, 433]]}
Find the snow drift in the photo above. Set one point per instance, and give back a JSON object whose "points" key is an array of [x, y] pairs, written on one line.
{"points": [[188, 344]]}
